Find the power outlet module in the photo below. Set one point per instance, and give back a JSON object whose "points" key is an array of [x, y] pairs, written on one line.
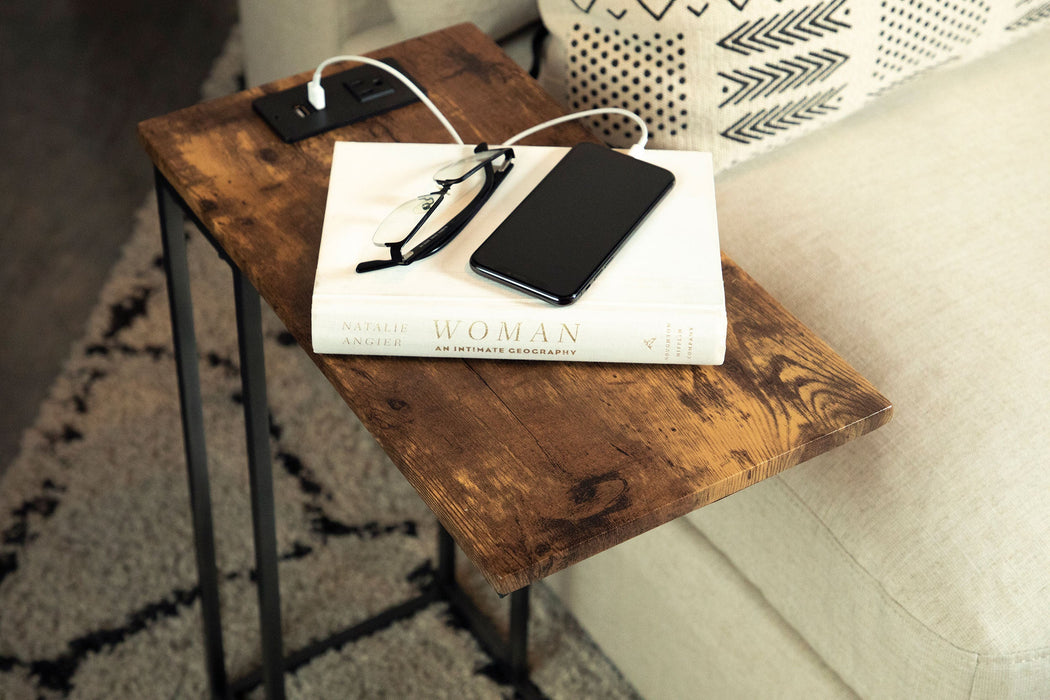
{"points": [[352, 95]]}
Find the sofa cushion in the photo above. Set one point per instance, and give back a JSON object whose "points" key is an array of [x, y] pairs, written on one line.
{"points": [[679, 621], [738, 78], [913, 237], [915, 561]]}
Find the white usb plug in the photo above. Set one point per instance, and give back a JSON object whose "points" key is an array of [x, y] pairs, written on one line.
{"points": [[315, 93]]}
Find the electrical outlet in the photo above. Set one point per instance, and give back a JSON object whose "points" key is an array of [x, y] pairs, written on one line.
{"points": [[366, 90], [352, 95]]}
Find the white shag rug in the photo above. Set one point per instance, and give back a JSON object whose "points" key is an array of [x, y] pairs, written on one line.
{"points": [[98, 586]]}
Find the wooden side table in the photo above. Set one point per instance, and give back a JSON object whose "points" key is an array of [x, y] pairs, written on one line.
{"points": [[531, 466]]}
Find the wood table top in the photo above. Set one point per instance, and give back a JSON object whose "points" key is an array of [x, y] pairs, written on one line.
{"points": [[532, 466]]}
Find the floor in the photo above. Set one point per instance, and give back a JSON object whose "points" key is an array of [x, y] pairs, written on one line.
{"points": [[78, 75]]}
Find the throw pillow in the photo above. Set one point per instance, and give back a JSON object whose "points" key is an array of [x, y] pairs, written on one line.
{"points": [[738, 77]]}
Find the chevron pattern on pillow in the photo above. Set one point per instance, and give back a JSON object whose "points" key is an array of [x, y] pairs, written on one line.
{"points": [[738, 77]]}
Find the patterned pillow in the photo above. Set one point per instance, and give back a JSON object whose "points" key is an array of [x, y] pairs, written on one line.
{"points": [[738, 77]]}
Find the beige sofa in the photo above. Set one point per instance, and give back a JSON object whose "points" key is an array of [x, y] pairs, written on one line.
{"points": [[914, 236], [914, 562]]}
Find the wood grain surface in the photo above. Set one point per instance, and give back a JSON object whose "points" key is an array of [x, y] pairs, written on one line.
{"points": [[532, 466]]}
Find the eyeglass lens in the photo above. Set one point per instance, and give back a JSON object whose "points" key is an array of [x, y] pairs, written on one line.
{"points": [[426, 214], [461, 168], [410, 225]]}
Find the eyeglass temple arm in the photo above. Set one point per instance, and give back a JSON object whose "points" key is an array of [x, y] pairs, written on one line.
{"points": [[470, 211], [449, 231], [370, 265]]}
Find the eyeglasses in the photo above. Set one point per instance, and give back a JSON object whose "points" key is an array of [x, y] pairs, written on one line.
{"points": [[415, 231]]}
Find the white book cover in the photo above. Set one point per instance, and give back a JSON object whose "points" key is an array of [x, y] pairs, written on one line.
{"points": [[661, 299]]}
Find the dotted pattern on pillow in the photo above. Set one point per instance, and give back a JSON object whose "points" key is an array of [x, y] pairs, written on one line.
{"points": [[644, 74], [914, 34], [737, 77]]}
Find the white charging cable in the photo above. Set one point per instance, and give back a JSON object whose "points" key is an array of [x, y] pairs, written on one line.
{"points": [[635, 150], [315, 91], [315, 94]]}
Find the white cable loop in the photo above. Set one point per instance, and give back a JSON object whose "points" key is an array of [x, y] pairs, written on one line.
{"points": [[315, 92], [589, 113]]}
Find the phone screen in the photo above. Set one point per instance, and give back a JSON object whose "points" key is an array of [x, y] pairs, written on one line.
{"points": [[554, 244]]}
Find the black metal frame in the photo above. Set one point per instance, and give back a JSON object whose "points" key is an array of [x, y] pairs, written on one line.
{"points": [[509, 655]]}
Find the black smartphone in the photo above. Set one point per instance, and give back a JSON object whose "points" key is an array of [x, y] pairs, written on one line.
{"points": [[554, 244]]}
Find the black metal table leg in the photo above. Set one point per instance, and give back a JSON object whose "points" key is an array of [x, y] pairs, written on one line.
{"points": [[172, 226], [519, 636], [257, 428], [509, 654]]}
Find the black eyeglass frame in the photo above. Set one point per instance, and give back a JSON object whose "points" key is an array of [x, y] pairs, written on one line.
{"points": [[440, 238]]}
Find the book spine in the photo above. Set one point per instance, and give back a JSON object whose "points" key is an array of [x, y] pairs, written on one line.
{"points": [[694, 337]]}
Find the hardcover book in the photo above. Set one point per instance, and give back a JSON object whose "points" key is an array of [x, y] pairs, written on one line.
{"points": [[661, 300]]}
